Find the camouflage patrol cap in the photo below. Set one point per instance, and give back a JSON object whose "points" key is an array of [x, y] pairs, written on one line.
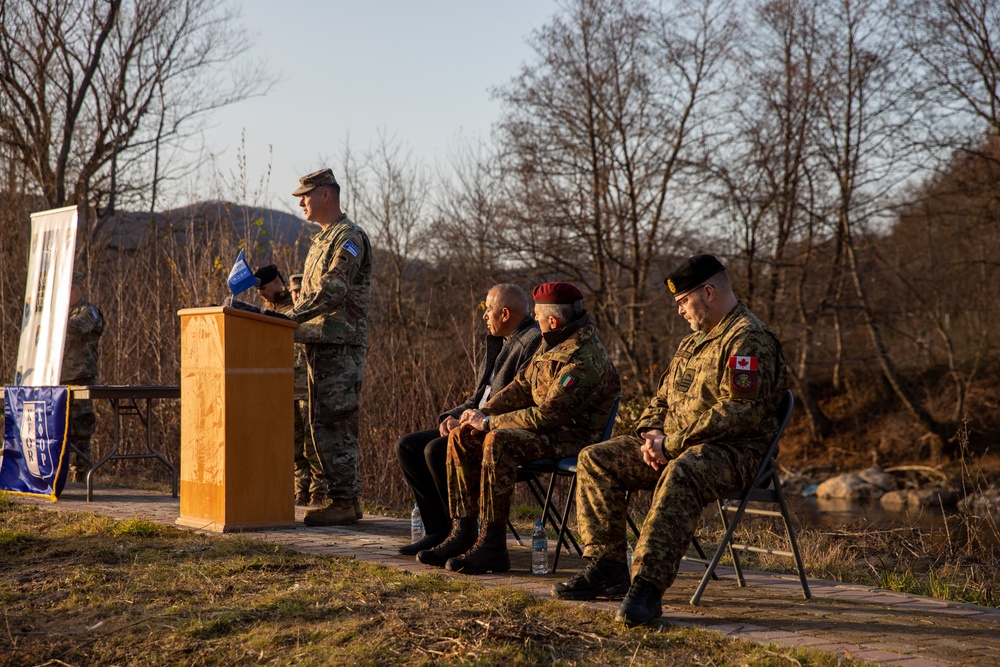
{"points": [[295, 282], [79, 278], [266, 274], [314, 180], [692, 273]]}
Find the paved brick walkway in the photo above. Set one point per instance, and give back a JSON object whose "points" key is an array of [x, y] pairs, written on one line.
{"points": [[857, 621]]}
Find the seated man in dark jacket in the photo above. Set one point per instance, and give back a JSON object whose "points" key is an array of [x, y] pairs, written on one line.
{"points": [[512, 340]]}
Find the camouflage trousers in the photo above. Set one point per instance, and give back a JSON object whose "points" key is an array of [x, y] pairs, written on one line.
{"points": [[681, 490], [482, 468], [309, 476], [82, 422], [335, 374]]}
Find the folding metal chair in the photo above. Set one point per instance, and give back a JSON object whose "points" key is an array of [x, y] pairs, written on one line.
{"points": [[567, 468], [765, 488]]}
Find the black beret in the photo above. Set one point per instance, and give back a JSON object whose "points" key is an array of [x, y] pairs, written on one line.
{"points": [[266, 274], [692, 273]]}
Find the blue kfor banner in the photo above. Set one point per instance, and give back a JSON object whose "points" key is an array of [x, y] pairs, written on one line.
{"points": [[35, 457]]}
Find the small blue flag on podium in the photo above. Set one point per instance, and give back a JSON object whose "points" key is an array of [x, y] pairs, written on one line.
{"points": [[241, 278]]}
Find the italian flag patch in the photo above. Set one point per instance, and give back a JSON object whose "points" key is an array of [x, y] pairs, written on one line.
{"points": [[567, 381]]}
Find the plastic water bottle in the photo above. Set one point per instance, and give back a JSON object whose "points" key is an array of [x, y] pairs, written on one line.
{"points": [[539, 550], [628, 553], [416, 525]]}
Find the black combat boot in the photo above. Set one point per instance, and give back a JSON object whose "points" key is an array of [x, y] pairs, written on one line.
{"points": [[428, 541], [643, 603], [602, 578], [463, 536], [489, 554]]}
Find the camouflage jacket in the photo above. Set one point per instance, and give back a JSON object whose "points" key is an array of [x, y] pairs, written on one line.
{"points": [[336, 287], [723, 386], [566, 391], [83, 330], [301, 388]]}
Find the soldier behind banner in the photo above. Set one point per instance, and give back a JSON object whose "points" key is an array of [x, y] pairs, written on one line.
{"points": [[80, 367]]}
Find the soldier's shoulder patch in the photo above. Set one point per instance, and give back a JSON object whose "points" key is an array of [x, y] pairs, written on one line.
{"points": [[567, 381], [352, 248], [744, 381], [743, 363]]}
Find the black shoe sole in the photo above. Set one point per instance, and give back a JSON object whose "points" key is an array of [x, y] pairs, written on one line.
{"points": [[633, 622], [420, 545], [613, 594], [497, 568]]}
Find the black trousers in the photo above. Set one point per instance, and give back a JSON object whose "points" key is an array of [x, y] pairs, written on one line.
{"points": [[423, 457]]}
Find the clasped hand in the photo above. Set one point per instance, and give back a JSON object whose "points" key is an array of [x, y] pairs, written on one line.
{"points": [[473, 419], [652, 449], [446, 425]]}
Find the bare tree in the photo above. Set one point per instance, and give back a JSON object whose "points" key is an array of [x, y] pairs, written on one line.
{"points": [[597, 136], [958, 44], [867, 108], [767, 175], [389, 190], [90, 89]]}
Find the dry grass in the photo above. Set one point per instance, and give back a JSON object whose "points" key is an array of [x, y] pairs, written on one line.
{"points": [[84, 590]]}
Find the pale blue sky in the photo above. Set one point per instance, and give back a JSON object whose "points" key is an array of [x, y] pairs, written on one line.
{"points": [[419, 71]]}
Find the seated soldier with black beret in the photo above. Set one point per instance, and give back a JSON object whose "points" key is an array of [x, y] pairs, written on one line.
{"points": [[704, 433]]}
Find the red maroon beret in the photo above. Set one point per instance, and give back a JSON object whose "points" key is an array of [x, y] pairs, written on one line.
{"points": [[556, 293]]}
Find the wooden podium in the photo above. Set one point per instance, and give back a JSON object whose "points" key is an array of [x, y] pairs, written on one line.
{"points": [[237, 397]]}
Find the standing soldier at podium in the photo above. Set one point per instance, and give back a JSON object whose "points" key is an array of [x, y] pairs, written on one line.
{"points": [[333, 314], [79, 367]]}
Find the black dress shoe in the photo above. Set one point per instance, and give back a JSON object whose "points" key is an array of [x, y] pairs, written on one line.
{"points": [[488, 554], [602, 578], [643, 603], [428, 541], [463, 535]]}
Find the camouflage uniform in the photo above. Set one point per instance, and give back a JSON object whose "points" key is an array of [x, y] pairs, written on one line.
{"points": [[559, 402], [333, 314], [308, 473], [718, 422], [83, 331]]}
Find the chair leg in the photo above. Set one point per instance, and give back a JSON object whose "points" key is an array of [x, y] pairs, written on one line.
{"points": [[786, 518], [718, 552], [513, 531], [548, 514], [740, 580], [562, 527], [551, 516]]}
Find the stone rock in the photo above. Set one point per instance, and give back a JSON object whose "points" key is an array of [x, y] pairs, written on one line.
{"points": [[857, 486], [914, 499], [982, 502]]}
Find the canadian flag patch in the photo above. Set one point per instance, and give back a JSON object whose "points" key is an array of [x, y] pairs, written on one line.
{"points": [[743, 363]]}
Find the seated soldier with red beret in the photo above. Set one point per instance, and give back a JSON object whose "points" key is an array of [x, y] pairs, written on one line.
{"points": [[556, 405]]}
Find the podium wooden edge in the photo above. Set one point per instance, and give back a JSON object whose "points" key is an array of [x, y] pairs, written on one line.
{"points": [[213, 526], [236, 312]]}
